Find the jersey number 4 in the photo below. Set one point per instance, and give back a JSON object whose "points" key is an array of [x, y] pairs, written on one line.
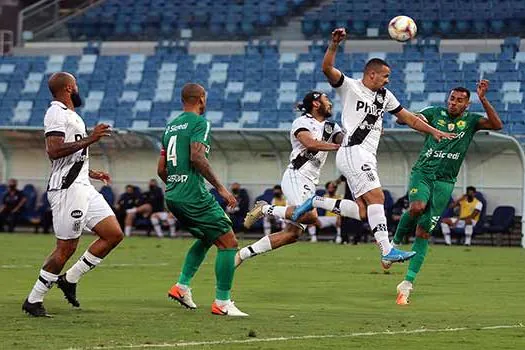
{"points": [[172, 151]]}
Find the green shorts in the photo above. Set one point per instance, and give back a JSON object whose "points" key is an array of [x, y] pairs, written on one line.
{"points": [[205, 220], [434, 193]]}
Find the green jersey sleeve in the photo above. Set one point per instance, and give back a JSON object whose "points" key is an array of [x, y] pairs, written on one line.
{"points": [[429, 113], [201, 131]]}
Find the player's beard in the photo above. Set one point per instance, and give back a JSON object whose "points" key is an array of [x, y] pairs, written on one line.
{"points": [[76, 99], [325, 112]]}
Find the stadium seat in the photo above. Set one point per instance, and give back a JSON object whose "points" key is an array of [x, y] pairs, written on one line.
{"points": [[501, 222]]}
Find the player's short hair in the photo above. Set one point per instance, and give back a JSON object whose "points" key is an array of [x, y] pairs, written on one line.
{"points": [[375, 64], [462, 89], [191, 93], [471, 188], [328, 184], [277, 187]]}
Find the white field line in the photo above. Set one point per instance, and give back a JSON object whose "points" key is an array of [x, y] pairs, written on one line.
{"points": [[102, 265], [302, 337]]}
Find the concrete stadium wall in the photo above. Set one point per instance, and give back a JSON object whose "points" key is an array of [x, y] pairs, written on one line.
{"points": [[498, 176]]}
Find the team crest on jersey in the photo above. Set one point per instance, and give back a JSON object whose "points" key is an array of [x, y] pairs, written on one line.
{"points": [[380, 99], [461, 124], [441, 122], [443, 113], [328, 128], [366, 167], [451, 126], [413, 190]]}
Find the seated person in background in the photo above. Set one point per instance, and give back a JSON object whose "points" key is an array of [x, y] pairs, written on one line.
{"points": [[330, 219], [469, 212], [11, 206], [278, 200], [163, 216], [238, 213], [150, 202], [127, 200], [398, 209]]}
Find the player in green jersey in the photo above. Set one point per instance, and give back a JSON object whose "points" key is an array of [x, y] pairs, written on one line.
{"points": [[182, 166], [434, 173]]}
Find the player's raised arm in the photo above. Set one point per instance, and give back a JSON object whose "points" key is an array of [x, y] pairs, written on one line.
{"points": [[313, 145], [57, 148], [333, 74], [493, 121], [418, 124]]}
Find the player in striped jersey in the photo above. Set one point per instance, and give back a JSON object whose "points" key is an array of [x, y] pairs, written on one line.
{"points": [[75, 203]]}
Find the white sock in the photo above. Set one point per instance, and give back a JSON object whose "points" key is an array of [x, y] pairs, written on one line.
{"points": [[261, 246], [131, 210], [127, 231], [344, 207], [171, 224], [377, 222], [446, 233], [86, 263], [267, 226], [42, 285], [274, 210], [183, 286], [156, 225], [469, 229], [312, 230], [338, 229], [222, 302]]}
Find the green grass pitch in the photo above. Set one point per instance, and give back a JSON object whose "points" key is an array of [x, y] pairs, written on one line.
{"points": [[306, 296]]}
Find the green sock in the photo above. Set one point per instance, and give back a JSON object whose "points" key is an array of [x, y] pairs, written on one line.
{"points": [[420, 246], [224, 269], [193, 261], [407, 224]]}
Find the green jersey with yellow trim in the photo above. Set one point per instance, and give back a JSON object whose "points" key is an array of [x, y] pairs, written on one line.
{"points": [[442, 160], [184, 182]]}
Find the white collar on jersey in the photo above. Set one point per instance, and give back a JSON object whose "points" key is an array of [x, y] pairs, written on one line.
{"points": [[58, 103]]}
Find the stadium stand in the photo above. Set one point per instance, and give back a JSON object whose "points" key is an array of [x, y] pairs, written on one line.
{"points": [[136, 20], [451, 18], [257, 89], [232, 19]]}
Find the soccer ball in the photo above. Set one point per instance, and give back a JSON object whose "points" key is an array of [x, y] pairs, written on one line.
{"points": [[402, 28]]}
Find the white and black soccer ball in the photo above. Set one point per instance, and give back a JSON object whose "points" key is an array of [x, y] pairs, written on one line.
{"points": [[402, 28]]}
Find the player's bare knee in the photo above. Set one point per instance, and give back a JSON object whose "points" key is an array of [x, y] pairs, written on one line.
{"points": [[422, 234], [416, 209]]}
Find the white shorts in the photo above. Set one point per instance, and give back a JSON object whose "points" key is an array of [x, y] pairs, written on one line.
{"points": [[78, 207], [297, 188], [359, 166], [461, 223], [327, 221]]}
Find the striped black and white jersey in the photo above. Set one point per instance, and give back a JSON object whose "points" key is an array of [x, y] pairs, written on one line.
{"points": [[307, 162], [61, 121], [363, 110]]}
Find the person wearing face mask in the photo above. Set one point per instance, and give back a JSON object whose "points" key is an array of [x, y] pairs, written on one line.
{"points": [[75, 203], [238, 212], [151, 201], [11, 207], [469, 212], [127, 200], [270, 221]]}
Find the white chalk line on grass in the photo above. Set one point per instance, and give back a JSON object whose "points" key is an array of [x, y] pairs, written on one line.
{"points": [[102, 265], [301, 337]]}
